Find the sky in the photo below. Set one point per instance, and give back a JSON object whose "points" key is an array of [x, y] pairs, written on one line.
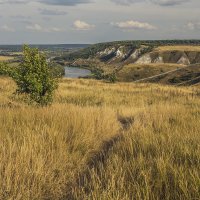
{"points": [[93, 21]]}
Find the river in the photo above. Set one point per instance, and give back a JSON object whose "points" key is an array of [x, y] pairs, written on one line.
{"points": [[75, 72]]}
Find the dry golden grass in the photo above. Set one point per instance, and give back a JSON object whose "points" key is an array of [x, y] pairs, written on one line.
{"points": [[159, 65], [159, 158], [6, 58], [42, 150], [133, 72], [178, 48]]}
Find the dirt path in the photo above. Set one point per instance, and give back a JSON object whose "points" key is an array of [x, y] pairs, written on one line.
{"points": [[155, 76], [99, 157]]}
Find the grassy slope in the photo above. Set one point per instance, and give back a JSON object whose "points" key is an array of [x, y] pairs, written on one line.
{"points": [[179, 48], [42, 150], [133, 72], [186, 76], [170, 51]]}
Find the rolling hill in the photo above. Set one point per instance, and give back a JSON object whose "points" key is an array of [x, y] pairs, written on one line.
{"points": [[135, 60]]}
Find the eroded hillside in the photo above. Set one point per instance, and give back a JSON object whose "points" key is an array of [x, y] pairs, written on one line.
{"points": [[132, 61]]}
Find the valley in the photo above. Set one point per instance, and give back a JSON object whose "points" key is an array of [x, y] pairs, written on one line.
{"points": [[131, 61]]}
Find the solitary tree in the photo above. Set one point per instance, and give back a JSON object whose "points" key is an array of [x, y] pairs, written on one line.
{"points": [[34, 77]]}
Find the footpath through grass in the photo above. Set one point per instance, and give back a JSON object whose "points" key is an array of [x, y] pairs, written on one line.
{"points": [[44, 151]]}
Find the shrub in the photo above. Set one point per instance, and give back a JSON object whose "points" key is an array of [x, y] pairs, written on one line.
{"points": [[99, 74], [57, 70], [34, 78], [112, 78], [4, 69]]}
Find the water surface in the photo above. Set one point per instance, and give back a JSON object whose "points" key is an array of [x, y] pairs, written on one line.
{"points": [[75, 72]]}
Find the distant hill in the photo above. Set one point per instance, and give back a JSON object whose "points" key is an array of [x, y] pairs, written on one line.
{"points": [[135, 60], [108, 50], [17, 48]]}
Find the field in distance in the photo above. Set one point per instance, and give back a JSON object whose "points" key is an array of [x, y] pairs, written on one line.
{"points": [[134, 72], [6, 58], [101, 141], [178, 48]]}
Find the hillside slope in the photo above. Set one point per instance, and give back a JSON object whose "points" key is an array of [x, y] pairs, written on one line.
{"points": [[131, 51], [134, 60]]}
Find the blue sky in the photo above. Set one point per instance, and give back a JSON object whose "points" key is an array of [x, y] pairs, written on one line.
{"points": [[91, 21]]}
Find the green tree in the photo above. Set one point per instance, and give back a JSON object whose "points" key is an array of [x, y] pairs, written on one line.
{"points": [[34, 77]]}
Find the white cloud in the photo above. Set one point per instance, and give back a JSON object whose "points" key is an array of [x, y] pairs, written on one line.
{"points": [[48, 2], [193, 26], [34, 27], [13, 1], [81, 25], [158, 2], [133, 25], [7, 28], [55, 29], [39, 28]]}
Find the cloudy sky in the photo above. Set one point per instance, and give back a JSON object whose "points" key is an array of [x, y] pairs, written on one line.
{"points": [[91, 21]]}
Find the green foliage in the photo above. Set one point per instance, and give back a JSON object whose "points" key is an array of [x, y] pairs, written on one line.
{"points": [[111, 78], [3, 69], [34, 78], [7, 70], [57, 70], [99, 74]]}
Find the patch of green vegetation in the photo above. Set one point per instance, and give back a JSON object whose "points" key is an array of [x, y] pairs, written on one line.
{"points": [[57, 70], [7, 69], [100, 74]]}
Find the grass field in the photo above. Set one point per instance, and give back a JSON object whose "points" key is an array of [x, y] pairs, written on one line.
{"points": [[179, 48], [6, 58], [133, 72], [101, 141]]}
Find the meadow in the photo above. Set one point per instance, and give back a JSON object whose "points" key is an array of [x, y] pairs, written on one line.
{"points": [[101, 141], [179, 48], [133, 72], [6, 58]]}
